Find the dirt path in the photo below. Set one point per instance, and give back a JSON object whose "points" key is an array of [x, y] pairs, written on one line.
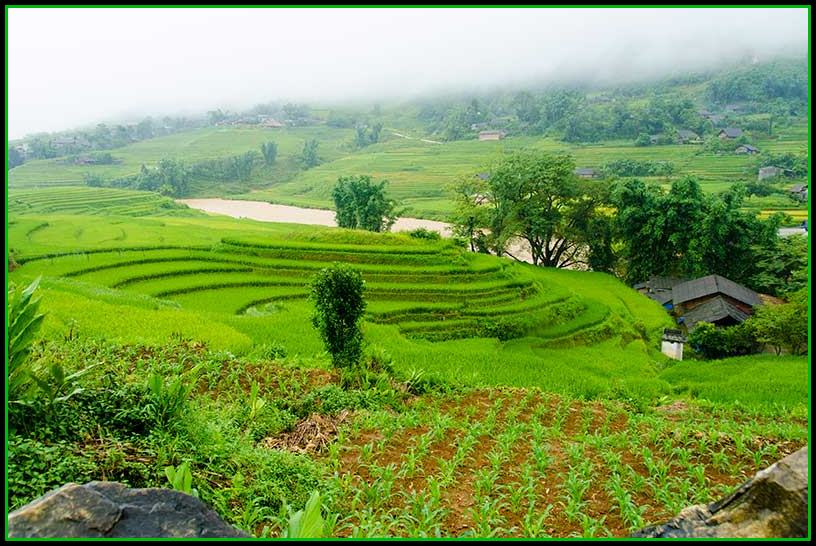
{"points": [[414, 138]]}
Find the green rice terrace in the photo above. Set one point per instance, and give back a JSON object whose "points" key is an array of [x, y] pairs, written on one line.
{"points": [[433, 299], [95, 201], [501, 400]]}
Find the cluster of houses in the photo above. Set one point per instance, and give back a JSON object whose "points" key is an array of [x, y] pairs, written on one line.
{"points": [[713, 299], [687, 136], [259, 120]]}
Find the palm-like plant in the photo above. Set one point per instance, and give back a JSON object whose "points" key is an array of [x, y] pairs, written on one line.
{"points": [[24, 322]]}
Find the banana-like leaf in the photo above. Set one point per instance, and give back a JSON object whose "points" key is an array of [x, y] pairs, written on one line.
{"points": [[307, 523]]}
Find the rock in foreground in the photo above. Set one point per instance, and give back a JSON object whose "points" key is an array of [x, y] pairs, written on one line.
{"points": [[774, 504], [110, 509]]}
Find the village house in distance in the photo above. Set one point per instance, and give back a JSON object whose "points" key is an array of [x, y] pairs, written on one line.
{"points": [[730, 133], [713, 298], [491, 135]]}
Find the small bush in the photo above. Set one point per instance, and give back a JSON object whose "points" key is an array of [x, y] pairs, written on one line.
{"points": [[268, 351], [35, 468], [503, 329], [269, 421], [712, 342], [337, 293], [426, 234]]}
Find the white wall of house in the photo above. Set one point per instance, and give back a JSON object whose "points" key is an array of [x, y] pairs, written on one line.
{"points": [[672, 349]]}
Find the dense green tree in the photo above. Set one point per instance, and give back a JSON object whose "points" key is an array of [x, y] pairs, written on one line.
{"points": [[298, 113], [526, 108], [215, 116], [144, 129], [471, 214], [15, 158], [361, 203], [308, 156], [243, 164], [93, 180], [686, 233], [796, 164], [640, 227], [366, 135], [170, 177], [781, 267], [269, 150], [340, 120], [727, 240], [785, 326], [337, 293]]}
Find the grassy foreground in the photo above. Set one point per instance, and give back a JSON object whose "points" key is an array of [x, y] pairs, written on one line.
{"points": [[395, 455]]}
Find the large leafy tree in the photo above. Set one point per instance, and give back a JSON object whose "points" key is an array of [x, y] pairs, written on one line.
{"points": [[683, 232], [360, 203], [639, 224], [535, 196]]}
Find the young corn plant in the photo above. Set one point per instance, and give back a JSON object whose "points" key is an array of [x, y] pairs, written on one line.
{"points": [[542, 458], [576, 486], [487, 518], [592, 527], [534, 524]]}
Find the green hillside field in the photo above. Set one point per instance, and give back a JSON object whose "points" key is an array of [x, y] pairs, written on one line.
{"points": [[513, 390], [419, 173]]}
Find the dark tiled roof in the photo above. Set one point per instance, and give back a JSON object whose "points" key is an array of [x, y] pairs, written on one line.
{"points": [[663, 297], [483, 176], [673, 335], [685, 133], [584, 170], [713, 284], [732, 132], [711, 311], [749, 148]]}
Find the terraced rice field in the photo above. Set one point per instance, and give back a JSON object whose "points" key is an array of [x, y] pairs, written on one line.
{"points": [[521, 463], [420, 289], [95, 201], [238, 285]]}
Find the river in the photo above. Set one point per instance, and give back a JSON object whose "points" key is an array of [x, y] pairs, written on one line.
{"points": [[267, 212]]}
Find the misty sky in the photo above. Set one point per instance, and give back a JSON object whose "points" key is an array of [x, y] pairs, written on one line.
{"points": [[75, 67]]}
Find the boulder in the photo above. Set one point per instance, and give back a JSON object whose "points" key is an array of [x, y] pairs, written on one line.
{"points": [[773, 504], [111, 509]]}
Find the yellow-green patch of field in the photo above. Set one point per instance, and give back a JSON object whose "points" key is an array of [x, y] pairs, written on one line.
{"points": [[191, 146]]}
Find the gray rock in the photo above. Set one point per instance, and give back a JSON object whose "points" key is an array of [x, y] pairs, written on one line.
{"points": [[773, 504], [111, 509]]}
